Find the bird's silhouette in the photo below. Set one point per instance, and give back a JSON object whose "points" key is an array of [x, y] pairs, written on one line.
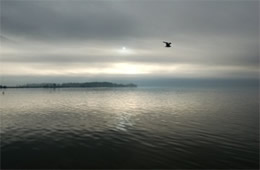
{"points": [[167, 44]]}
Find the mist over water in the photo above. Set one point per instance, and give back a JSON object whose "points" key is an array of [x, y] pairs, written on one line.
{"points": [[141, 81], [144, 127]]}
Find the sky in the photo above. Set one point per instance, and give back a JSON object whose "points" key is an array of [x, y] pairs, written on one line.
{"points": [[81, 40]]}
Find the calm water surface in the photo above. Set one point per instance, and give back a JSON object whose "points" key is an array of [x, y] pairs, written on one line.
{"points": [[130, 128]]}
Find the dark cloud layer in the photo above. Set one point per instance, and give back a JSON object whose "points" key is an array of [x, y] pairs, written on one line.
{"points": [[122, 19], [64, 20]]}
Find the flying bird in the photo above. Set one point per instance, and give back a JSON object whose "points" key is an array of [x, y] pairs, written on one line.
{"points": [[167, 44]]}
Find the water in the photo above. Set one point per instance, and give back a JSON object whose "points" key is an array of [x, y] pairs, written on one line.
{"points": [[130, 128]]}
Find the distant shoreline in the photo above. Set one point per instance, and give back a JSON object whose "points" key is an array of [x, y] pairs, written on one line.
{"points": [[71, 85]]}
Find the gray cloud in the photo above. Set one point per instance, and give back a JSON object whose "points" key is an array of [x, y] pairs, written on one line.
{"points": [[114, 19], [60, 20]]}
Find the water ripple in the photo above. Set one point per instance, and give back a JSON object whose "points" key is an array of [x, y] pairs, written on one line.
{"points": [[129, 129]]}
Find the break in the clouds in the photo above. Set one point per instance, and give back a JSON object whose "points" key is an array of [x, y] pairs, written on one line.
{"points": [[77, 38]]}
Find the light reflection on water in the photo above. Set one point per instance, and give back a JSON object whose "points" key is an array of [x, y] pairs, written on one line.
{"points": [[130, 128]]}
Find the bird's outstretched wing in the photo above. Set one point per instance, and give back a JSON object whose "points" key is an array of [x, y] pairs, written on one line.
{"points": [[166, 42]]}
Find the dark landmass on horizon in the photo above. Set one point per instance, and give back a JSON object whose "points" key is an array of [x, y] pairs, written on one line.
{"points": [[71, 85]]}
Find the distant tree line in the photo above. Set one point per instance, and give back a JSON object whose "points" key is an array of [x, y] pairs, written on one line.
{"points": [[3, 87], [69, 85]]}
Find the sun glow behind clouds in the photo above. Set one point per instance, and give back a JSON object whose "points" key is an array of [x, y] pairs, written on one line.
{"points": [[125, 51], [126, 68], [118, 68]]}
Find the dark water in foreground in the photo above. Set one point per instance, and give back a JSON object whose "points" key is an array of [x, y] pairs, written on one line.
{"points": [[130, 128]]}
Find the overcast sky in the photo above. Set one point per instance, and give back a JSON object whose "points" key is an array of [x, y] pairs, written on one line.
{"points": [[86, 38]]}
